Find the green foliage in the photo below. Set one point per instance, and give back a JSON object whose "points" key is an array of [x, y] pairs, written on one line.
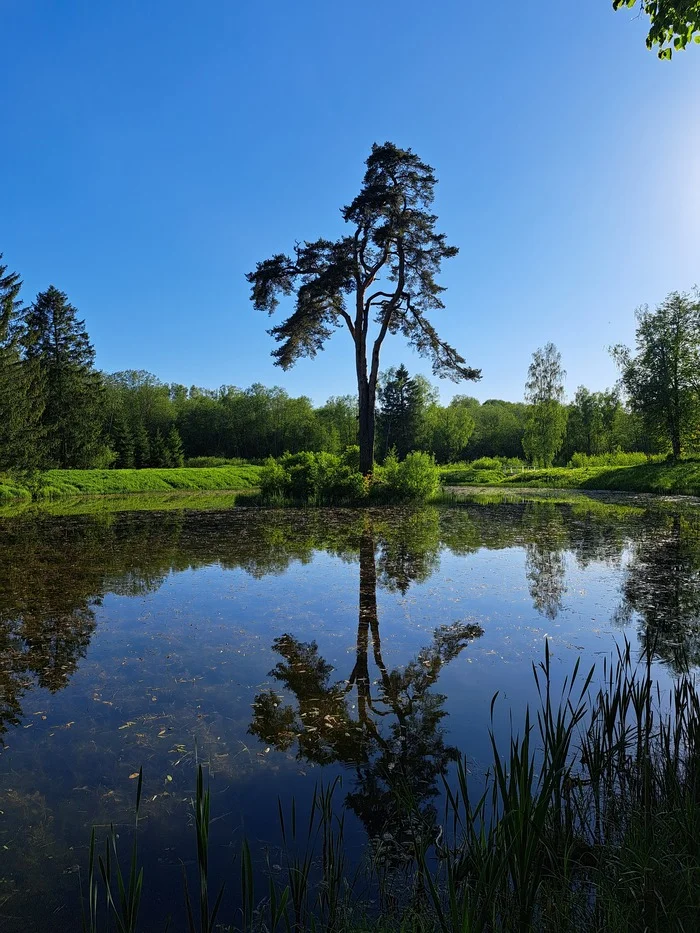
{"points": [[414, 479], [661, 379], [56, 342], [142, 445], [337, 420], [214, 461], [317, 478], [21, 401], [388, 264], [499, 428], [669, 478], [176, 452], [12, 491], [122, 440], [598, 424], [546, 422], [445, 432], [613, 459], [402, 404], [673, 23], [487, 463]]}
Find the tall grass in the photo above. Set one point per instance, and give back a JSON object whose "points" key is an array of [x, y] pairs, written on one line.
{"points": [[588, 820]]}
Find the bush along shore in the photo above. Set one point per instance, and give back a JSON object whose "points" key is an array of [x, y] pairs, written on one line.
{"points": [[330, 479], [588, 820]]}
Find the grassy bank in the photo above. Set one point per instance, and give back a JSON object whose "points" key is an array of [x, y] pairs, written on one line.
{"points": [[682, 478], [56, 484]]}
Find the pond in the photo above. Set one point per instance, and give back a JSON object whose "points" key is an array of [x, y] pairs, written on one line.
{"points": [[285, 647]]}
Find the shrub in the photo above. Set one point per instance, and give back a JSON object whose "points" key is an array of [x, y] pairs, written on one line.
{"points": [[351, 457], [337, 480], [487, 463], [414, 479], [318, 478], [618, 458], [274, 480]]}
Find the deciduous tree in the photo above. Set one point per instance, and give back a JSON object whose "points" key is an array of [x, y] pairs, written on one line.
{"points": [[673, 23], [663, 378], [544, 390]]}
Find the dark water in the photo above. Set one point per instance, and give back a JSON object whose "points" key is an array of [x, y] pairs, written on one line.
{"points": [[280, 647]]}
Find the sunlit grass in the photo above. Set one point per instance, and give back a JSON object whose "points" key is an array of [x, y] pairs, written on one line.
{"points": [[56, 484], [681, 478]]}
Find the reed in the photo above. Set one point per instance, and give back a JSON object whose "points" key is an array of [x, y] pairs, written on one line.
{"points": [[588, 820]]}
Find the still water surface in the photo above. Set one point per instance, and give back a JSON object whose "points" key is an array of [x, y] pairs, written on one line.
{"points": [[282, 647]]}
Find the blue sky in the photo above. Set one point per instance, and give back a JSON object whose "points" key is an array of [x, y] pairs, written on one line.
{"points": [[153, 152]]}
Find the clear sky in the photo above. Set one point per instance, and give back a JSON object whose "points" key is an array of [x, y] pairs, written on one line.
{"points": [[152, 152]]}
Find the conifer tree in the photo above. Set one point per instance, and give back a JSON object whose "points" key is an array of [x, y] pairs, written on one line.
{"points": [[160, 455], [384, 273], [176, 451], [20, 398], [57, 341], [402, 401], [123, 442], [142, 444]]}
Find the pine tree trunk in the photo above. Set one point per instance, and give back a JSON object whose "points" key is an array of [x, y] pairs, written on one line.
{"points": [[367, 426]]}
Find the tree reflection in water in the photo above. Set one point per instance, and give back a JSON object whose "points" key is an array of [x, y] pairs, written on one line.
{"points": [[661, 590], [391, 734], [54, 573]]}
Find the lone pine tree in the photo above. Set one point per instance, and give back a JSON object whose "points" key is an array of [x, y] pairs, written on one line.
{"points": [[381, 274]]}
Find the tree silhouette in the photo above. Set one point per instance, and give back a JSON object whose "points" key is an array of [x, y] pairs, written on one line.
{"points": [[394, 741], [388, 264]]}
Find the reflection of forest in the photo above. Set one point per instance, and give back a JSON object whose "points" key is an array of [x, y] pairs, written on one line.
{"points": [[55, 571], [662, 589]]}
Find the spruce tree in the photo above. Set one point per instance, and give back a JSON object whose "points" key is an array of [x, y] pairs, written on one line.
{"points": [[142, 444], [122, 440], [402, 401], [176, 451], [160, 455], [20, 399], [56, 340]]}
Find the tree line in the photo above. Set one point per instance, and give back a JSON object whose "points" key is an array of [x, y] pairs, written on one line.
{"points": [[58, 410]]}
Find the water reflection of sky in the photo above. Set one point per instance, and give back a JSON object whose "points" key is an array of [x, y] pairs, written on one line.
{"points": [[183, 660]]}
